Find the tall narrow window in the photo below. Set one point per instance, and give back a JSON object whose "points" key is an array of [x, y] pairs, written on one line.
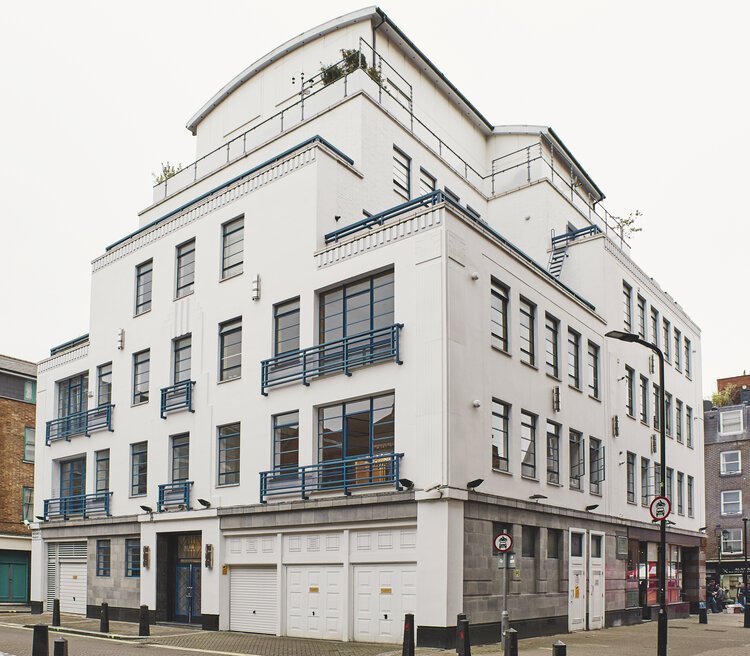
{"points": [[680, 493], [577, 459], [641, 317], [181, 359], [631, 477], [29, 444], [689, 425], [551, 339], [499, 316], [644, 400], [180, 458], [574, 359], [630, 391], [286, 326], [185, 269], [654, 326], [627, 305], [143, 280], [138, 468], [133, 558], [230, 349], [102, 471], [401, 173], [678, 420], [141, 375], [657, 407], [666, 338], [27, 504], [670, 485], [593, 364], [500, 419], [103, 555], [29, 391], [427, 182], [528, 318], [528, 444], [645, 478], [229, 454], [286, 442], [690, 495], [553, 453], [677, 349], [657, 480], [596, 465], [104, 384], [688, 358], [668, 413], [232, 247]]}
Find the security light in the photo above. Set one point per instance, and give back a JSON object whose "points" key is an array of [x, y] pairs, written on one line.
{"points": [[536, 497], [147, 509], [204, 503], [593, 506], [406, 483], [471, 485]]}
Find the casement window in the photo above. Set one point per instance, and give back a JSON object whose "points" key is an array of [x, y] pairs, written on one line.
{"points": [[677, 349], [688, 358], [72, 395], [680, 493], [574, 359], [654, 326], [645, 478], [102, 470], [577, 459], [528, 444], [689, 426], [644, 399], [286, 320], [180, 458], [401, 173], [138, 468], [731, 502], [500, 423], [181, 359], [103, 557], [731, 541], [657, 480], [551, 339], [678, 420], [499, 296], [27, 504], [133, 558], [668, 413], [690, 486], [104, 384], [229, 454], [657, 407], [29, 391], [230, 349], [29, 444], [670, 485], [143, 282], [593, 370], [73, 479], [731, 462], [185, 269], [631, 477], [630, 391], [553, 453], [528, 330], [286, 442], [427, 182], [596, 465], [666, 339], [141, 375], [641, 317], [627, 304], [232, 247], [731, 422]]}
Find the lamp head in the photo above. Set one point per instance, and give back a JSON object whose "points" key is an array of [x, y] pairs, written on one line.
{"points": [[622, 336], [472, 485], [147, 509], [593, 506], [406, 483], [204, 503], [536, 497]]}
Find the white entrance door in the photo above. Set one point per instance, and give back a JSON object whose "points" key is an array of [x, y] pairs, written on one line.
{"points": [[253, 595], [73, 588], [596, 580], [382, 595], [314, 595], [576, 579]]}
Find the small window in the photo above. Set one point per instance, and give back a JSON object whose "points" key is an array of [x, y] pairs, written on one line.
{"points": [[102, 470], [499, 315], [731, 502], [185, 269], [657, 419], [644, 386], [670, 485], [630, 391], [286, 326], [500, 422], [731, 422], [645, 488], [596, 546], [553, 453], [232, 248], [427, 182], [230, 349], [668, 413], [677, 349], [527, 335], [29, 391], [141, 375], [27, 504], [143, 282], [103, 557], [576, 545], [104, 384], [690, 493], [654, 326], [678, 406], [401, 173], [666, 339], [529, 539], [688, 357], [596, 465], [229, 454], [731, 462], [680, 493], [29, 444], [731, 541], [577, 459], [451, 195], [133, 558], [689, 426], [641, 317], [551, 340], [286, 442], [631, 477]]}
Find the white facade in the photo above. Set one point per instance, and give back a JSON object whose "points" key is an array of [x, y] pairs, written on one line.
{"points": [[348, 566]]}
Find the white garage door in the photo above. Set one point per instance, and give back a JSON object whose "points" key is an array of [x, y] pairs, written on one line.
{"points": [[253, 599], [383, 594], [314, 602], [73, 588]]}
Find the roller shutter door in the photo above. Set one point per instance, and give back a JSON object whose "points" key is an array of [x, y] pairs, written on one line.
{"points": [[253, 600]]}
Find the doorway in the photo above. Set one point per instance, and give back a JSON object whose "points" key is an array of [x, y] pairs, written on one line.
{"points": [[178, 577], [586, 580]]}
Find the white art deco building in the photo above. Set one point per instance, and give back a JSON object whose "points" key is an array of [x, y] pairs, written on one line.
{"points": [[361, 297]]}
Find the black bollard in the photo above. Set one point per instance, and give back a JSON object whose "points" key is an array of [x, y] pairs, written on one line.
{"points": [[511, 642], [559, 648], [60, 647], [459, 643], [747, 619], [56, 612], [463, 633], [702, 614], [40, 646], [104, 618], [408, 648], [143, 628]]}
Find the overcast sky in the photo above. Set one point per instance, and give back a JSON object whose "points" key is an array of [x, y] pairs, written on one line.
{"points": [[651, 97]]}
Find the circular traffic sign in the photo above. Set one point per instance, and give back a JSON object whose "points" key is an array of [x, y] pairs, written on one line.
{"points": [[503, 542], [660, 508]]}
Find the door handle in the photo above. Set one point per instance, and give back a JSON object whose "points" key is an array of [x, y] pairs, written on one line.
{"points": [[385, 616]]}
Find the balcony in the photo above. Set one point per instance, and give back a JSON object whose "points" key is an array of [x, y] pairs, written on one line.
{"points": [[80, 423], [78, 505], [347, 475], [379, 345], [174, 496], [177, 397]]}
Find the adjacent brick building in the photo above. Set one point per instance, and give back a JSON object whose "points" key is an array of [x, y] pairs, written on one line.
{"points": [[17, 441]]}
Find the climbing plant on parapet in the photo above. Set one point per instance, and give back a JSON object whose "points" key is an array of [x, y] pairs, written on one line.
{"points": [[629, 225], [727, 395], [351, 60], [167, 171]]}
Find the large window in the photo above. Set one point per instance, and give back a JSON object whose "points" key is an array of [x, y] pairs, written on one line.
{"points": [[596, 465], [641, 317], [593, 368], [286, 326], [230, 349], [574, 359], [645, 478], [104, 384], [576, 459], [551, 339], [185, 269], [731, 502], [631, 477], [141, 375], [644, 399], [527, 337], [27, 504], [500, 423], [630, 391], [138, 468], [499, 316], [143, 280], [229, 454], [232, 247], [689, 425], [72, 395], [181, 359], [731, 462], [180, 458], [553, 453], [29, 444], [680, 493], [401, 173], [103, 557], [690, 504], [627, 306], [730, 422], [102, 470], [133, 558], [731, 541], [286, 442], [528, 444]]}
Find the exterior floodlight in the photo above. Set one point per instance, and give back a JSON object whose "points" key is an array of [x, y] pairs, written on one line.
{"points": [[204, 503], [593, 506], [622, 336], [536, 497], [471, 485], [147, 509], [406, 483]]}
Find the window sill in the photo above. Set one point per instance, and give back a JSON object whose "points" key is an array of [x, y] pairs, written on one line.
{"points": [[228, 380], [185, 295], [138, 496], [627, 414], [504, 472], [632, 503], [553, 377], [529, 365], [499, 350], [575, 489], [573, 387], [28, 462], [223, 485], [646, 424], [722, 474], [554, 484], [230, 276], [596, 494], [135, 405], [595, 398], [526, 477], [140, 314]]}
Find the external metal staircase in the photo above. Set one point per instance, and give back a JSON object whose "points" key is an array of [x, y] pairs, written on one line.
{"points": [[560, 247]]}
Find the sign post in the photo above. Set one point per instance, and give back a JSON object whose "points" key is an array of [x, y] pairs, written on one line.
{"points": [[504, 543], [660, 508]]}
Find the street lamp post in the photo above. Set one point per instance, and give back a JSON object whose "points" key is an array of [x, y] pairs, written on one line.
{"points": [[661, 641], [746, 621]]}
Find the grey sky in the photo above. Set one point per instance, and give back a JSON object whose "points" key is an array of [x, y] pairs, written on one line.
{"points": [[651, 97]]}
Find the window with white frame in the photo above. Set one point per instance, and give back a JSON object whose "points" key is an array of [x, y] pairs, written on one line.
{"points": [[688, 358], [731, 462], [574, 359], [731, 541], [730, 422], [593, 367], [654, 326], [677, 349], [680, 493], [689, 425], [731, 502]]}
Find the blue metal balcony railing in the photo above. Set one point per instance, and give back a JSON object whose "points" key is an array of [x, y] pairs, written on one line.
{"points": [[346, 475], [177, 397], [174, 495], [82, 505], [344, 355], [559, 240], [80, 423]]}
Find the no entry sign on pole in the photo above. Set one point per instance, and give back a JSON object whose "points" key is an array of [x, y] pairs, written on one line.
{"points": [[503, 542], [660, 508]]}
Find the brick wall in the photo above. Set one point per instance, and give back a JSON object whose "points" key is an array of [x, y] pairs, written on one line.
{"points": [[15, 474]]}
